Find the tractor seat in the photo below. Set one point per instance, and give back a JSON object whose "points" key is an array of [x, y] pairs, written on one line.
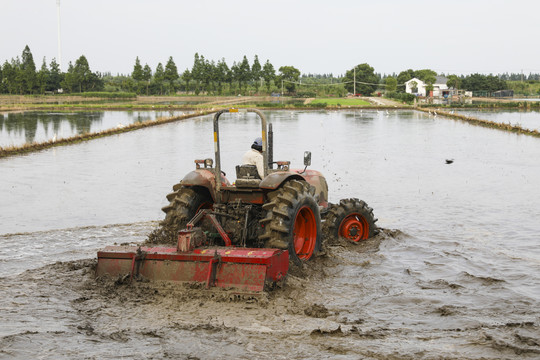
{"points": [[247, 176]]}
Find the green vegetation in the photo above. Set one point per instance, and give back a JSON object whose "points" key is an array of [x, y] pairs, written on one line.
{"points": [[339, 102], [366, 80], [401, 96], [105, 95], [479, 82], [526, 88], [425, 75], [20, 76], [288, 76]]}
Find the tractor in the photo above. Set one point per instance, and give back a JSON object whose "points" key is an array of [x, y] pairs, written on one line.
{"points": [[279, 214]]}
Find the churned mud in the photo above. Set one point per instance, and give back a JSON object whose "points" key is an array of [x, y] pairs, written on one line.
{"points": [[343, 304]]}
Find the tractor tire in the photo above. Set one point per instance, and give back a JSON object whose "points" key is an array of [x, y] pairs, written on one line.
{"points": [[352, 219], [184, 205], [293, 221]]}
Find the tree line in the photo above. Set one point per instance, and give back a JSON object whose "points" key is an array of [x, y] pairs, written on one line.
{"points": [[20, 76]]}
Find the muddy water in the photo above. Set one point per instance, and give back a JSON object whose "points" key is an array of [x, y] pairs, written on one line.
{"points": [[35, 126], [455, 273], [526, 119]]}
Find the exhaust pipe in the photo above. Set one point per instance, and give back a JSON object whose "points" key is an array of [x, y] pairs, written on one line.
{"points": [[270, 146]]}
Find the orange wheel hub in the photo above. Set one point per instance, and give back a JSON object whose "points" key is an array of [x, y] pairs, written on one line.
{"points": [[354, 228], [305, 233]]}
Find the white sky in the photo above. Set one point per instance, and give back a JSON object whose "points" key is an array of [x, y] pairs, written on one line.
{"points": [[314, 36]]}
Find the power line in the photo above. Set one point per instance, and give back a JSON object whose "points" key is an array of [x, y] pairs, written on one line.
{"points": [[340, 83]]}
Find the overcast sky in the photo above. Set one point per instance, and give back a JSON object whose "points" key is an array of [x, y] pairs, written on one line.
{"points": [[314, 36]]}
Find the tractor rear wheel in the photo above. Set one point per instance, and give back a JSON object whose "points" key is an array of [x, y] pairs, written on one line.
{"points": [[184, 204], [352, 219], [293, 221]]}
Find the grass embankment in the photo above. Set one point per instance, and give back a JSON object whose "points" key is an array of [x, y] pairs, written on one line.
{"points": [[490, 104], [27, 148], [486, 123], [339, 102]]}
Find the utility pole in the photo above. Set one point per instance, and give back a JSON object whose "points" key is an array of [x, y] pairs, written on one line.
{"points": [[59, 40], [354, 79], [281, 87]]}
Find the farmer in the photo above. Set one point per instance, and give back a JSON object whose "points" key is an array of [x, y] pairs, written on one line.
{"points": [[254, 156]]}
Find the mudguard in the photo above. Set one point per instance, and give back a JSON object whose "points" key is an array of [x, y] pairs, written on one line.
{"points": [[313, 177], [204, 178]]}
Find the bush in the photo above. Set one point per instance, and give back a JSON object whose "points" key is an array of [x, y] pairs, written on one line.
{"points": [[105, 95], [306, 94], [318, 105], [408, 98]]}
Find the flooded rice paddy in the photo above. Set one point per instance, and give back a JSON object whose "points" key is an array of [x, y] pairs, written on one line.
{"points": [[18, 128], [526, 119], [454, 274]]}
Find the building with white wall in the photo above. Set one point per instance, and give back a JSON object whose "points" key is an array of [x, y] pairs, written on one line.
{"points": [[418, 87]]}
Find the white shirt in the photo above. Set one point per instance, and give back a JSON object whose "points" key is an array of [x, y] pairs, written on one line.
{"points": [[253, 157]]}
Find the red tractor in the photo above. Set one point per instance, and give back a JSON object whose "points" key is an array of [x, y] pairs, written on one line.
{"points": [[278, 211]]}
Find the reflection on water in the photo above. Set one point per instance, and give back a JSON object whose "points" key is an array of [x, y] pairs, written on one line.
{"points": [[526, 119], [33, 126]]}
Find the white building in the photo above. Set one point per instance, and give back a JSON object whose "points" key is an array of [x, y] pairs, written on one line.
{"points": [[417, 86]]}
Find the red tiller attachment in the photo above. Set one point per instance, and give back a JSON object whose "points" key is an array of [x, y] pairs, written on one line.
{"points": [[226, 267]]}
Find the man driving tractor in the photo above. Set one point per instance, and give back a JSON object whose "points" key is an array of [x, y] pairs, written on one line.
{"points": [[254, 156]]}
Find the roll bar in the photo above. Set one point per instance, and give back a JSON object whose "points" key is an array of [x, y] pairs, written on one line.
{"points": [[217, 169]]}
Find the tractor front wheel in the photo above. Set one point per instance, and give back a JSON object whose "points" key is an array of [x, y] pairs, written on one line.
{"points": [[293, 221], [352, 219]]}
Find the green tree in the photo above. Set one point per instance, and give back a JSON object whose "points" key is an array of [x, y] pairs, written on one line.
{"points": [[426, 75], [256, 73], [69, 83], [197, 72], [234, 76], [366, 80], [208, 75], [222, 72], [391, 84], [43, 77], [269, 74], [9, 75], [453, 81], [137, 73], [429, 79], [479, 82], [147, 76], [137, 76], [289, 76], [19, 79], [186, 77], [171, 73], [55, 76], [159, 77], [28, 69], [243, 73], [83, 75], [403, 77]]}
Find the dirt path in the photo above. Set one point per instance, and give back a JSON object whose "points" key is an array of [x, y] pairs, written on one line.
{"points": [[381, 101]]}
